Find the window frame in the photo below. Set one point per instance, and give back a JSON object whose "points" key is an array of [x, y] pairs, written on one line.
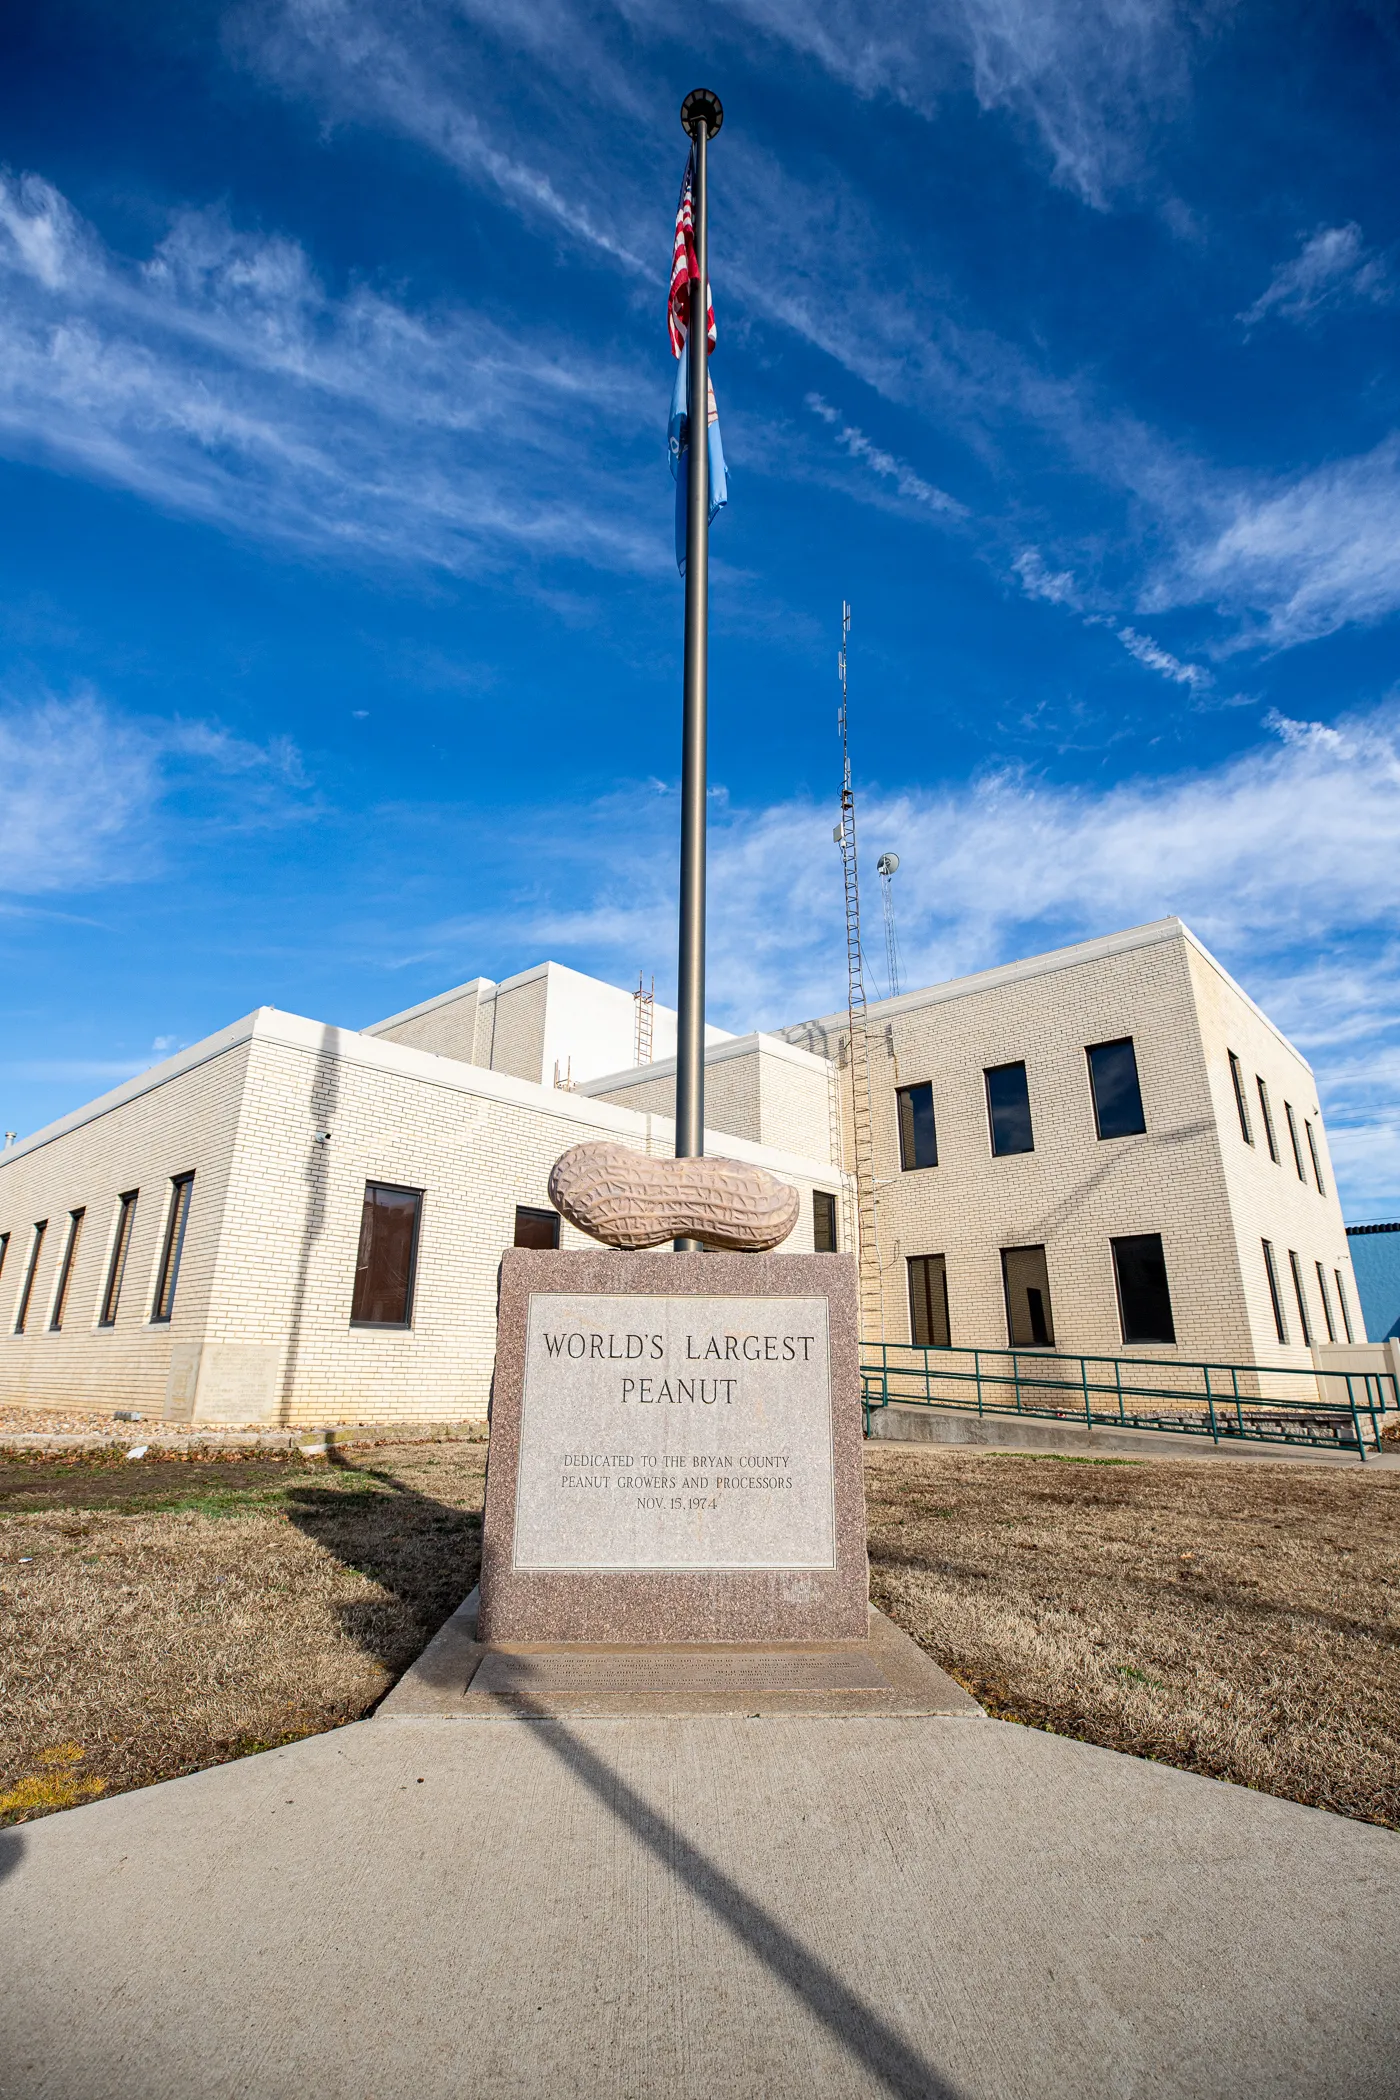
{"points": [[824, 1204], [990, 1072], [26, 1294], [1141, 1341], [1304, 1322], [1312, 1147], [1047, 1304], [1342, 1304], [116, 1265], [905, 1114], [522, 1210], [1268, 1120], [1271, 1271], [923, 1265], [66, 1266], [1241, 1098], [172, 1248], [405, 1325], [1293, 1141], [1326, 1301], [1117, 1042]]}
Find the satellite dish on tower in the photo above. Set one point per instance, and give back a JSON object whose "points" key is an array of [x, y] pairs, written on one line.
{"points": [[887, 863]]}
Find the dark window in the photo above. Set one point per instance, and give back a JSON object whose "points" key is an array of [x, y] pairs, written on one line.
{"points": [[1241, 1100], [536, 1228], [65, 1271], [1268, 1119], [181, 1189], [928, 1301], [1027, 1282], [1009, 1109], [824, 1239], [28, 1291], [1293, 1140], [1326, 1301], [1342, 1305], [1271, 1271], [1303, 1321], [4, 1250], [1316, 1167], [387, 1257], [116, 1268], [1113, 1079], [1144, 1302], [918, 1139]]}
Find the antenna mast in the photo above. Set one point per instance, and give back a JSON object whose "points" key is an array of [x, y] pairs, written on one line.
{"points": [[885, 867], [872, 1318], [644, 1020]]}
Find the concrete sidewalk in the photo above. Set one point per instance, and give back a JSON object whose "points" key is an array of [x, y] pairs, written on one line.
{"points": [[709, 1906]]}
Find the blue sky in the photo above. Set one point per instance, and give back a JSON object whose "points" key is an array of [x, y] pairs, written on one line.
{"points": [[339, 626]]}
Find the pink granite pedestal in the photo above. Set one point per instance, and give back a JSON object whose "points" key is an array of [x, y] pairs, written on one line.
{"points": [[675, 1451]]}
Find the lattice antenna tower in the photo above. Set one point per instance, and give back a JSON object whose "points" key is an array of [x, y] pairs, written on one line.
{"points": [[644, 1021], [872, 1320], [885, 867]]}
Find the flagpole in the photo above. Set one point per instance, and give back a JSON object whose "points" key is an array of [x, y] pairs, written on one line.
{"points": [[701, 116]]}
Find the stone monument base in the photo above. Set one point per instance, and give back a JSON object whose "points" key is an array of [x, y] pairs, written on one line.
{"points": [[457, 1677], [675, 1452]]}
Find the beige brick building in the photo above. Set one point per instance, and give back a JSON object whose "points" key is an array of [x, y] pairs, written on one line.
{"points": [[284, 1124], [293, 1223], [1213, 1181]]}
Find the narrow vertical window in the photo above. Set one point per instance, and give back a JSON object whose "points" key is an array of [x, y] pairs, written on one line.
{"points": [[918, 1136], [27, 1291], [928, 1301], [1293, 1139], [1326, 1301], [1026, 1280], [535, 1228], [1009, 1110], [65, 1269], [116, 1267], [823, 1222], [4, 1250], [1303, 1321], [1342, 1305], [1316, 1167], [1241, 1100], [181, 1188], [1113, 1082], [1268, 1119], [1271, 1270], [1144, 1301], [387, 1258]]}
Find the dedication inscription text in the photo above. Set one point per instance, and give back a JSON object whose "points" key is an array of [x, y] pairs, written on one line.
{"points": [[675, 1433]]}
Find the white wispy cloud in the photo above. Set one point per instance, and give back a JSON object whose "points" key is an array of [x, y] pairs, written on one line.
{"points": [[906, 481], [1332, 267], [220, 378], [1286, 861], [83, 790], [1295, 558], [1089, 78]]}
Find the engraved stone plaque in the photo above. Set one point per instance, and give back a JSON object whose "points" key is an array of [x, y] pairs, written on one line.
{"points": [[675, 1433], [675, 1451]]}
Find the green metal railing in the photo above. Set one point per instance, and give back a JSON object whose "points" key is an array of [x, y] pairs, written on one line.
{"points": [[1258, 1402]]}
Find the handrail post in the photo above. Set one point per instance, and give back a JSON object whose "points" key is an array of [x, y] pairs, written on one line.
{"points": [[1355, 1417], [1210, 1406], [1084, 1382]]}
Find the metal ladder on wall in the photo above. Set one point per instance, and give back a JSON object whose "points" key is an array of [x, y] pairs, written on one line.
{"points": [[872, 1313]]}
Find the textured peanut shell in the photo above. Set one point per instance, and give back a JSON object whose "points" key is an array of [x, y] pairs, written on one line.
{"points": [[625, 1199]]}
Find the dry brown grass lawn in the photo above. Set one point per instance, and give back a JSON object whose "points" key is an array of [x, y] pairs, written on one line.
{"points": [[1241, 1620], [161, 1615]]}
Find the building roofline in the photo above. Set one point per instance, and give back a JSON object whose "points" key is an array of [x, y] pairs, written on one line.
{"points": [[268, 1024], [716, 1053], [1046, 965], [426, 1006]]}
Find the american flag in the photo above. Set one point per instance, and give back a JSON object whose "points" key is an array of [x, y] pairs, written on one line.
{"points": [[685, 269]]}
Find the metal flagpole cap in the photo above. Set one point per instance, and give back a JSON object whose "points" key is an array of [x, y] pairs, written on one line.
{"points": [[702, 103]]}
